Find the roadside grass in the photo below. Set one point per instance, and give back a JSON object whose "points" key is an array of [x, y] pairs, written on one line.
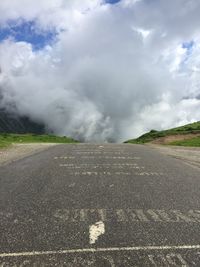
{"points": [[3, 144], [195, 142], [8, 139], [153, 134]]}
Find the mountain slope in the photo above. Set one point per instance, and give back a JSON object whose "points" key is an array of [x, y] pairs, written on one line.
{"points": [[188, 135], [15, 129], [10, 123]]}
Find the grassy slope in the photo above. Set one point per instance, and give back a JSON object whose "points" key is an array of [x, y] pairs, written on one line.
{"points": [[190, 142], [7, 139], [186, 129]]}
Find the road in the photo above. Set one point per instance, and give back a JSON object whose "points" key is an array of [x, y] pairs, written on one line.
{"points": [[99, 205]]}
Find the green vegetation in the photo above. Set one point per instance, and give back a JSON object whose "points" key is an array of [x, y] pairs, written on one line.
{"points": [[192, 128], [189, 142], [8, 139]]}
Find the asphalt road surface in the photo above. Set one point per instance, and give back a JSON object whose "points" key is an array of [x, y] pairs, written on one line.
{"points": [[99, 205]]}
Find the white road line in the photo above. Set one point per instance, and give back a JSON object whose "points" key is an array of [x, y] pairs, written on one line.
{"points": [[93, 250]]}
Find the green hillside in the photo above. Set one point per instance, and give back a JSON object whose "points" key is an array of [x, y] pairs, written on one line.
{"points": [[193, 130], [7, 139], [16, 129]]}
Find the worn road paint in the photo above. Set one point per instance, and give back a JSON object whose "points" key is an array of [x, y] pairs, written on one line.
{"points": [[73, 166], [99, 157], [70, 157], [101, 153], [127, 215], [95, 230], [93, 250], [95, 173], [170, 259], [129, 258], [150, 173], [101, 164], [100, 173], [72, 185], [108, 157]]}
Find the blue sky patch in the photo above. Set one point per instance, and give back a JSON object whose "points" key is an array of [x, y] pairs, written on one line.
{"points": [[188, 45], [112, 1], [27, 32]]}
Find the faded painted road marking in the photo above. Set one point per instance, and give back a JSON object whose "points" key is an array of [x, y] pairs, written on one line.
{"points": [[98, 157], [73, 166], [95, 173], [89, 165], [92, 173], [93, 250], [72, 185], [171, 259], [150, 173], [127, 258], [109, 157], [127, 215], [104, 164], [95, 230], [100, 153], [117, 215], [69, 157]]}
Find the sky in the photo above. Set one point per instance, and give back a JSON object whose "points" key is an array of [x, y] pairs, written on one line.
{"points": [[101, 70]]}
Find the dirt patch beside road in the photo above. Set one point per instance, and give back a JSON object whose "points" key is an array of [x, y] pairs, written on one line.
{"points": [[18, 151], [171, 138], [190, 155]]}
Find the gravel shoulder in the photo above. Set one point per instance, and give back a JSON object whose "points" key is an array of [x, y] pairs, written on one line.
{"points": [[19, 151], [190, 155]]}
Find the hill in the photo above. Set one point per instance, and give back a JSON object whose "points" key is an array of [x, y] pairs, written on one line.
{"points": [[8, 139], [187, 135], [16, 129], [11, 123]]}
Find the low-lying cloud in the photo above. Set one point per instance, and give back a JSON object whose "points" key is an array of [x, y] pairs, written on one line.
{"points": [[112, 72]]}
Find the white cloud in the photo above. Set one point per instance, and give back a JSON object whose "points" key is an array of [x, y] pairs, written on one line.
{"points": [[101, 80], [52, 13]]}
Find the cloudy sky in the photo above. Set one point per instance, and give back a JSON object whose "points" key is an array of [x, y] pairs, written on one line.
{"points": [[101, 70]]}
